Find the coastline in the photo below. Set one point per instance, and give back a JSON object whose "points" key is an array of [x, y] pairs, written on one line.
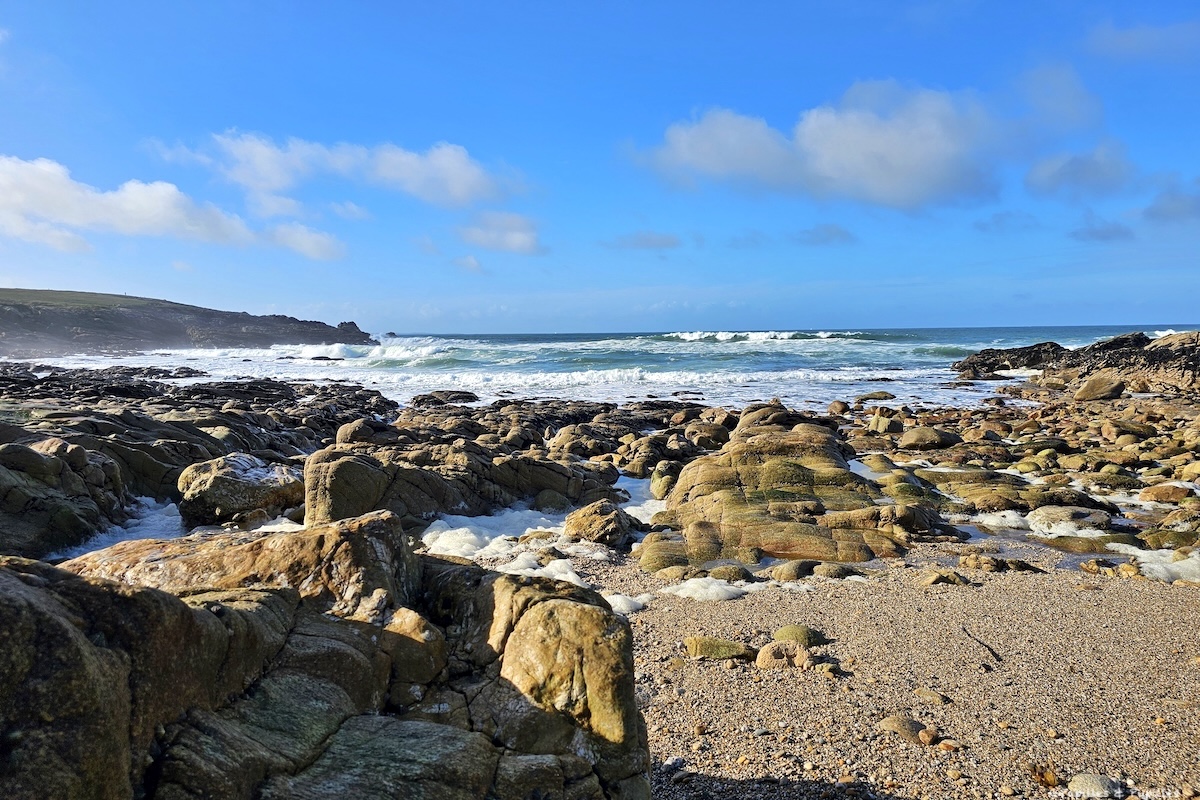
{"points": [[1109, 638]]}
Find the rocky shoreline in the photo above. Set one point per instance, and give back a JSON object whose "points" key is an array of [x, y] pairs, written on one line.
{"points": [[874, 601]]}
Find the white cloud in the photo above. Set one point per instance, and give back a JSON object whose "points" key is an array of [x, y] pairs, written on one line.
{"points": [[4, 34], [1096, 229], [1175, 42], [1175, 203], [1058, 100], [1104, 170], [307, 242], [40, 202], [824, 234], [645, 240], [500, 230], [882, 143], [427, 245], [469, 263], [444, 175], [349, 210]]}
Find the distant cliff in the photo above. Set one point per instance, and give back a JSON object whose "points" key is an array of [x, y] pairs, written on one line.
{"points": [[40, 323]]}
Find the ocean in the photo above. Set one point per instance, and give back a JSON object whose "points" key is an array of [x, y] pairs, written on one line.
{"points": [[804, 369]]}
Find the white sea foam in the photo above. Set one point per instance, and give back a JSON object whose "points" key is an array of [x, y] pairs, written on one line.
{"points": [[1002, 520], [151, 520], [1161, 564], [486, 537], [641, 505], [705, 589], [560, 569], [625, 605]]}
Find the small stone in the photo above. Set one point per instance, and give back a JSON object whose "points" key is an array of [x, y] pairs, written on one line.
{"points": [[743, 760], [809, 766], [1091, 785], [700, 729], [906, 728], [931, 696], [934, 577], [1003, 725], [928, 736], [953, 774], [949, 745], [1051, 733], [1007, 790]]}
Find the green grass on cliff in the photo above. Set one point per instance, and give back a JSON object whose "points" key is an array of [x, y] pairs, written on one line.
{"points": [[48, 297]]}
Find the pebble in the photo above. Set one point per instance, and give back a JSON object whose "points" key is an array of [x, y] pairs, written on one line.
{"points": [[1091, 785]]}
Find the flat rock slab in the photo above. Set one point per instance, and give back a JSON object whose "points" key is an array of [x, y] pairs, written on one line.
{"points": [[381, 758]]}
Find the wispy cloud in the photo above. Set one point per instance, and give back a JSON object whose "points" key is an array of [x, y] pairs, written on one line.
{"points": [[503, 231], [750, 240], [40, 202], [1096, 229], [1103, 170], [469, 263], [1177, 42], [1176, 203], [824, 235], [348, 210], [444, 175], [644, 240], [1007, 222], [314, 244]]}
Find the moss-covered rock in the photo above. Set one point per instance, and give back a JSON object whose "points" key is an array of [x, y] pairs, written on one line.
{"points": [[710, 648], [803, 634]]}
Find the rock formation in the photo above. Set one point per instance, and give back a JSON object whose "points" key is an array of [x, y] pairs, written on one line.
{"points": [[1170, 363], [309, 664]]}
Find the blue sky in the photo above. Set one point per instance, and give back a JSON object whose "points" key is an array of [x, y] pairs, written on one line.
{"points": [[470, 167]]}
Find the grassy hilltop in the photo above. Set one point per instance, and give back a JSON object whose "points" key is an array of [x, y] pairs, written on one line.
{"points": [[36, 322]]}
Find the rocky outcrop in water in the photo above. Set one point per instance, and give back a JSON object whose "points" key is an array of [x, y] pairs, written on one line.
{"points": [[1168, 364]]}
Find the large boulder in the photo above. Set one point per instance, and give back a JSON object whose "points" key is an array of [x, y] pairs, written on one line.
{"points": [[212, 492], [356, 568], [419, 481], [768, 491], [1101, 387], [55, 495], [602, 521], [91, 669]]}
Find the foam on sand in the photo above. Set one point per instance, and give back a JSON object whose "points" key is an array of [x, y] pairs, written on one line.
{"points": [[705, 589], [560, 569], [625, 605], [1161, 565]]}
